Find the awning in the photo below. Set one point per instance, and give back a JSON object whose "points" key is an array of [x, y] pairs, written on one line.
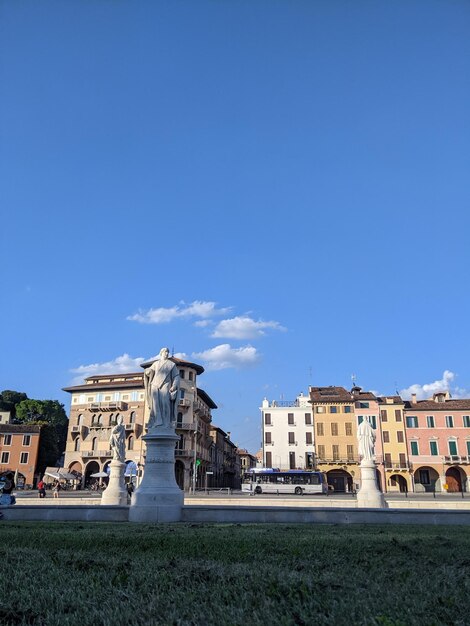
{"points": [[58, 475]]}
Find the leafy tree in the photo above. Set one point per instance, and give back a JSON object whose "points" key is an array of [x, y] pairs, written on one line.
{"points": [[9, 399], [51, 413], [48, 452]]}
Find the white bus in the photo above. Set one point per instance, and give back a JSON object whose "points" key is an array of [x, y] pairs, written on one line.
{"points": [[298, 482]]}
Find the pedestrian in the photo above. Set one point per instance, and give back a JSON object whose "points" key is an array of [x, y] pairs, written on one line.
{"points": [[41, 489], [56, 489]]}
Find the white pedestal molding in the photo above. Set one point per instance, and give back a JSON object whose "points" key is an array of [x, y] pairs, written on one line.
{"points": [[369, 495], [115, 492], [158, 498]]}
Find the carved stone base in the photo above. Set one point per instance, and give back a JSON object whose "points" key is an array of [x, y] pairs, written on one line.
{"points": [[158, 498], [115, 492], [369, 495]]}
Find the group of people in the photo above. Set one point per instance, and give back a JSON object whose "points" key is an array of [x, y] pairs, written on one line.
{"points": [[56, 488]]}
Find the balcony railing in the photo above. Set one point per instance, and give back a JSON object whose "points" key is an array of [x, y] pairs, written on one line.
{"points": [[184, 403], [340, 460], [185, 426], [455, 458], [186, 453], [396, 465], [107, 406]]}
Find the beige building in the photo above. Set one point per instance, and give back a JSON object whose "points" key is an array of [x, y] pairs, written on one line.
{"points": [[224, 461], [100, 400], [395, 454], [336, 436]]}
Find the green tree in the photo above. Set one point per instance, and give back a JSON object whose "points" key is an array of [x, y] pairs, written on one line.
{"points": [[9, 399], [52, 413], [48, 452]]}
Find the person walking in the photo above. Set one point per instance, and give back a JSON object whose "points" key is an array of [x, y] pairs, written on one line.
{"points": [[56, 489], [41, 489]]}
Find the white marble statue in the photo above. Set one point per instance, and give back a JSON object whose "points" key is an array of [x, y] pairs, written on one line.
{"points": [[161, 381], [366, 438], [117, 441]]}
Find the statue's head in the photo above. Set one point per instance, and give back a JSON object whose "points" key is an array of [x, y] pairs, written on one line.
{"points": [[164, 354]]}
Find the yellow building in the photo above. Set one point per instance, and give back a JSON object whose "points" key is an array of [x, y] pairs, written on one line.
{"points": [[395, 454], [335, 436]]}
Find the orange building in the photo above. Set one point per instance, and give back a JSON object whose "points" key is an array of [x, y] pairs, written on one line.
{"points": [[19, 448]]}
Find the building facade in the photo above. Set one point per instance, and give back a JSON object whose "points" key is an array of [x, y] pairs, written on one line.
{"points": [[396, 466], [288, 436], [438, 438], [19, 450], [100, 400]]}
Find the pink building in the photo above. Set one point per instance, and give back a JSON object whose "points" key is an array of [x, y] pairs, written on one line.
{"points": [[438, 437]]}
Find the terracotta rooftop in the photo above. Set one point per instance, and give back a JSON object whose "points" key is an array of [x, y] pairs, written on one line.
{"points": [[206, 398], [11, 429], [128, 383], [430, 405], [396, 399], [329, 394]]}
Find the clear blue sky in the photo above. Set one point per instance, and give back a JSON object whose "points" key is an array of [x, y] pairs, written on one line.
{"points": [[303, 164]]}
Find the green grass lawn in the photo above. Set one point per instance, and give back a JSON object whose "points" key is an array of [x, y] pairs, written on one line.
{"points": [[99, 574]]}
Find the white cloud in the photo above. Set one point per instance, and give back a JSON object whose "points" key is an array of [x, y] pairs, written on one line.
{"points": [[244, 327], [163, 315], [203, 323], [224, 356], [426, 391], [120, 365]]}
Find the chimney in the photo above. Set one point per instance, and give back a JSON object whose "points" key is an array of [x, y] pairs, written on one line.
{"points": [[413, 398]]}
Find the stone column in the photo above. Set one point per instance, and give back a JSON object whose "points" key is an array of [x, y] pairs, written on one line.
{"points": [[369, 495], [158, 497], [115, 492]]}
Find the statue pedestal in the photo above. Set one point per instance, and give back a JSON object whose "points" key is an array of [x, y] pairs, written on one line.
{"points": [[158, 498], [369, 495], [115, 492]]}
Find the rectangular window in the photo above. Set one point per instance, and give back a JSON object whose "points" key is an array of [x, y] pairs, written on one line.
{"points": [[348, 409], [334, 429], [373, 421], [290, 419], [386, 436], [182, 374], [333, 409], [348, 427], [335, 453], [267, 419], [411, 421], [5, 458], [350, 453], [308, 418], [360, 419], [383, 415], [291, 460], [468, 448], [453, 448], [320, 409], [449, 421], [402, 459], [308, 438], [388, 459], [267, 437], [107, 398], [269, 456], [414, 448], [320, 429], [433, 448], [362, 405], [24, 457], [321, 451], [134, 396], [291, 438], [397, 415], [7, 440], [430, 421], [400, 437], [182, 394], [466, 421], [26, 440]]}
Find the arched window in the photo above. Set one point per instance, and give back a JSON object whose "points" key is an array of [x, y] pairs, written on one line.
{"points": [[79, 420], [132, 417], [94, 443], [130, 443], [190, 376], [77, 444], [111, 419]]}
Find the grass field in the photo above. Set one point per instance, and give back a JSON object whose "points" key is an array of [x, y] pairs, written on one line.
{"points": [[115, 574]]}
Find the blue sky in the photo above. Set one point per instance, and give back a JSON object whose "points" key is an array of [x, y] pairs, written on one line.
{"points": [[277, 189]]}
